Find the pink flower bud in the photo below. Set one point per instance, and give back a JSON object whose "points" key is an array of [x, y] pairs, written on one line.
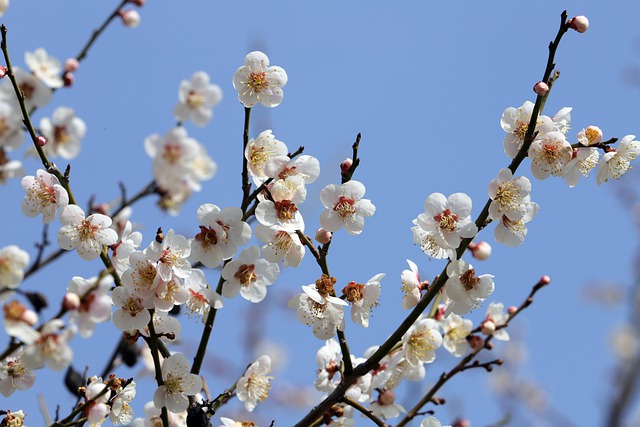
{"points": [[476, 342], [138, 3], [480, 251], [512, 310], [345, 166], [130, 18], [545, 280], [68, 79], [387, 396], [323, 236], [461, 422], [41, 141], [541, 88], [579, 23], [488, 327], [71, 64], [29, 317], [71, 301], [440, 312], [3, 71]]}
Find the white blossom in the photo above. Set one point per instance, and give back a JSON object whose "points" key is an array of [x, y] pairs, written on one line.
{"points": [[464, 288], [257, 82], [420, 342], [45, 67], [179, 383], [615, 163], [44, 196], [249, 275], [344, 206], [87, 235], [549, 154], [253, 387], [197, 97], [63, 132], [260, 151], [14, 375], [507, 194], [455, 331]]}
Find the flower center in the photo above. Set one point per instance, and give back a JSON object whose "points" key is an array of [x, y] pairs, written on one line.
{"points": [[172, 153], [345, 207], [86, 230], [287, 172], [173, 384], [60, 134], [469, 279], [447, 221], [194, 99], [207, 237], [245, 274], [354, 292], [14, 310], [259, 386], [285, 210], [507, 196], [258, 81], [27, 90]]}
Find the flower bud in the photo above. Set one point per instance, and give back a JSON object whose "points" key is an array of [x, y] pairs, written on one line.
{"points": [[590, 136], [541, 88], [323, 236], [68, 79], [138, 3], [387, 396], [476, 342], [579, 23], [480, 250], [71, 64], [71, 301], [488, 327], [130, 18], [345, 166], [461, 422], [545, 280], [3, 71], [512, 310], [41, 141]]}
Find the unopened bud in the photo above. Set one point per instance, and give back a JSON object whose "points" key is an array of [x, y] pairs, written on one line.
{"points": [[41, 141], [579, 23], [590, 136], [29, 317], [130, 18], [345, 166], [545, 280], [138, 3], [71, 65], [71, 301], [480, 250], [488, 327], [159, 235], [68, 79], [323, 236], [440, 312], [3, 71], [512, 310], [461, 422], [541, 88], [387, 396]]}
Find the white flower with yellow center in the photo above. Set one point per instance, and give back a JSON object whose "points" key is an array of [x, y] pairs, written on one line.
{"points": [[257, 82], [466, 290], [178, 384], [581, 164], [88, 235], [282, 244], [45, 67], [259, 151], [455, 330], [549, 155], [63, 132], [197, 97], [515, 121], [420, 342], [13, 261], [44, 196], [345, 207], [616, 162], [512, 233], [253, 387], [249, 275], [507, 194]]}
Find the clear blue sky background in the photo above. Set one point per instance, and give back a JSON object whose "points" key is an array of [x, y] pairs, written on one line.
{"points": [[426, 84]]}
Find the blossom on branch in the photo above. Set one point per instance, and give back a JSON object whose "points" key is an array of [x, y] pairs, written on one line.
{"points": [[197, 97], [464, 289], [63, 132], [253, 387], [44, 196], [257, 82], [345, 207], [45, 67], [616, 162], [87, 235], [249, 275], [179, 383]]}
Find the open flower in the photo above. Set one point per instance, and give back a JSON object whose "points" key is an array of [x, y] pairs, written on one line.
{"points": [[420, 342], [249, 275], [507, 194], [464, 288], [257, 82], [345, 207], [363, 298], [320, 309], [45, 67], [615, 163], [178, 384], [44, 196], [549, 154], [63, 132], [197, 97], [253, 387], [447, 219], [87, 235]]}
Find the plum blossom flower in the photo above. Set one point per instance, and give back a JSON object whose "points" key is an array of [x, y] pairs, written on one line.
{"points": [[14, 419], [316, 306], [549, 154], [19, 322], [464, 288], [63, 132], [11, 131], [178, 384], [281, 213], [133, 313], [294, 173], [448, 220], [420, 342], [253, 387], [497, 316], [142, 277], [4, 5], [428, 243], [513, 233], [45, 67], [14, 375], [222, 231], [170, 256], [615, 163], [411, 286], [44, 196], [385, 405], [329, 360], [249, 275], [363, 298], [590, 136], [257, 82], [507, 194], [260, 151], [50, 347], [432, 422], [97, 392], [121, 412], [9, 168], [282, 244], [197, 97], [13, 261], [515, 121], [201, 297], [95, 302], [344, 206], [455, 331], [36, 93], [87, 235], [581, 164]]}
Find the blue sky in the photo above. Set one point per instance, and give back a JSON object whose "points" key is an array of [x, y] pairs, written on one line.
{"points": [[426, 84]]}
